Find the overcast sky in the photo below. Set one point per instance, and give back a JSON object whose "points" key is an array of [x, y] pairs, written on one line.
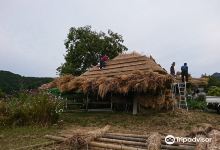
{"points": [[32, 32]]}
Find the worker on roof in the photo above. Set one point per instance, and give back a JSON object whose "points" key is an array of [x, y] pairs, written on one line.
{"points": [[103, 60], [184, 72], [172, 69]]}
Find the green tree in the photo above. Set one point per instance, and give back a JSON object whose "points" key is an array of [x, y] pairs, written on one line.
{"points": [[84, 47]]}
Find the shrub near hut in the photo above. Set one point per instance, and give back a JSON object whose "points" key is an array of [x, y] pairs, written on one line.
{"points": [[214, 91], [27, 109]]}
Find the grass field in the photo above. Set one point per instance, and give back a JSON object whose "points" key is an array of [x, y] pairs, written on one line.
{"points": [[178, 122]]}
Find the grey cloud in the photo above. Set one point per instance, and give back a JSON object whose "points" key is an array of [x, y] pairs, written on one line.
{"points": [[32, 33]]}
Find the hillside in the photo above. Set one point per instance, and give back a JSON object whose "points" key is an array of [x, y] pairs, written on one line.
{"points": [[10, 82], [214, 80], [216, 75]]}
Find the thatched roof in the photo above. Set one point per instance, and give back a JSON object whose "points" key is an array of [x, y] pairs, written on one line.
{"points": [[199, 81], [125, 73], [195, 82], [126, 64]]}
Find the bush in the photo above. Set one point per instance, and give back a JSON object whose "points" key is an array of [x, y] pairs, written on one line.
{"points": [[2, 94], [27, 108], [214, 91], [3, 108], [54, 91], [197, 104]]}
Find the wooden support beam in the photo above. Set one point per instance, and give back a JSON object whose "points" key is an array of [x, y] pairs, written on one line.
{"points": [[124, 138], [87, 101], [111, 102], [122, 142], [96, 148], [113, 146], [134, 106], [128, 135], [178, 143], [170, 147], [55, 138]]}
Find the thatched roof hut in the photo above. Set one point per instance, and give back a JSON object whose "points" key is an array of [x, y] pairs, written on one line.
{"points": [[125, 73]]}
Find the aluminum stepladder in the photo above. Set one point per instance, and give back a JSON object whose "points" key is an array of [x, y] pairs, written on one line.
{"points": [[182, 95]]}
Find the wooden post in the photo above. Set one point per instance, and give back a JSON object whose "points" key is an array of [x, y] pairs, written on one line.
{"points": [[111, 102], [66, 104], [134, 106], [87, 100]]}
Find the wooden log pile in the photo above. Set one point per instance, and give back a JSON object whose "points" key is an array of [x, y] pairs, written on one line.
{"points": [[121, 141], [101, 139]]}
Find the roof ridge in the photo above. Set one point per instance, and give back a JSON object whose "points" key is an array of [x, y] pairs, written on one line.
{"points": [[127, 55]]}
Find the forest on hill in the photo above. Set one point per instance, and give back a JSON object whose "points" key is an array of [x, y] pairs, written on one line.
{"points": [[214, 80], [10, 82]]}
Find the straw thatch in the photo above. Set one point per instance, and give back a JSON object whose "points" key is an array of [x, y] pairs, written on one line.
{"points": [[58, 82], [195, 82], [215, 142], [199, 81], [154, 141], [125, 73]]}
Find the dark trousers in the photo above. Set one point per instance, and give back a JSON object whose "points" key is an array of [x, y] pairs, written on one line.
{"points": [[184, 77], [102, 64]]}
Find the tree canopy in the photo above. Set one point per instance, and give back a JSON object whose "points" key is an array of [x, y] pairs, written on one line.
{"points": [[84, 47]]}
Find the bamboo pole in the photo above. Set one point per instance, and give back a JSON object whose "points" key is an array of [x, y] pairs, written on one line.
{"points": [[113, 146], [96, 148], [121, 142], [127, 135], [66, 135], [124, 138], [79, 140], [178, 143], [177, 147], [55, 138]]}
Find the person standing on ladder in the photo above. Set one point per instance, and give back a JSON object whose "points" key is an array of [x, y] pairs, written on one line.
{"points": [[184, 72], [172, 69]]}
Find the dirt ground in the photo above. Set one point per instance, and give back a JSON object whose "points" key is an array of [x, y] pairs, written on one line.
{"points": [[178, 122]]}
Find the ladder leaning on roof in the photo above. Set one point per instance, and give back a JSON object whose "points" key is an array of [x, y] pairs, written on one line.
{"points": [[181, 90], [182, 95]]}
